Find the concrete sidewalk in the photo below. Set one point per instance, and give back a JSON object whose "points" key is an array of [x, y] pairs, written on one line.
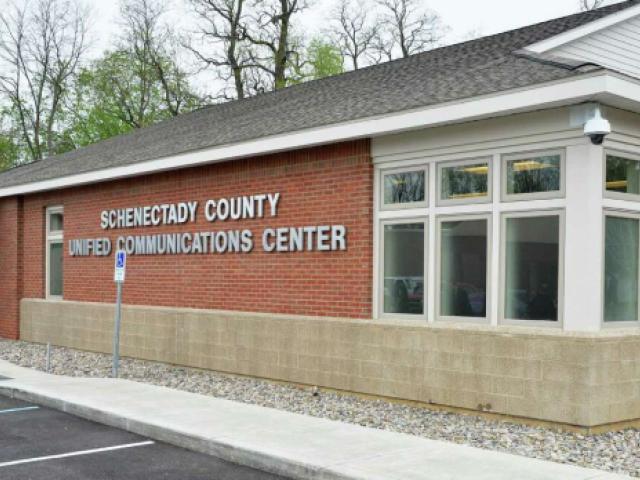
{"points": [[288, 444]]}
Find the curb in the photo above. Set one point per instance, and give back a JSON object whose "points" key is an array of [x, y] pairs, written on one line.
{"points": [[218, 448]]}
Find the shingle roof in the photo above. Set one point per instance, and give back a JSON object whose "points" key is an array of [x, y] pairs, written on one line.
{"points": [[483, 66]]}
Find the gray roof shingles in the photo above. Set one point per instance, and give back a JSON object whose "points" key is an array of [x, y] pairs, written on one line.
{"points": [[484, 66]]}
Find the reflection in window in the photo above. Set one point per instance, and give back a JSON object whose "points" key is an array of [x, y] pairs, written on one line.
{"points": [[55, 269], [405, 187], [463, 270], [56, 223], [623, 175], [531, 264], [621, 269], [404, 268], [533, 174], [54, 251], [464, 181]]}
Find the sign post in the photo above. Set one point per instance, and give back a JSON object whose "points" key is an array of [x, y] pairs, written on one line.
{"points": [[119, 274]]}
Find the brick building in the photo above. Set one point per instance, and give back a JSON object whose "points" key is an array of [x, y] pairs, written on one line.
{"points": [[441, 228]]}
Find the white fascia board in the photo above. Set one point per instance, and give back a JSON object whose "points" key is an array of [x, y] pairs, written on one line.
{"points": [[623, 87], [549, 95], [584, 30]]}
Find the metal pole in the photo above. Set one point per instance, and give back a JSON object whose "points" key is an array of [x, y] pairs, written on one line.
{"points": [[116, 333], [48, 357]]}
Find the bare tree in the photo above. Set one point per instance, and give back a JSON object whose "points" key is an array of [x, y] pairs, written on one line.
{"points": [[153, 46], [41, 46], [353, 32], [221, 29], [590, 4], [271, 34], [407, 28]]}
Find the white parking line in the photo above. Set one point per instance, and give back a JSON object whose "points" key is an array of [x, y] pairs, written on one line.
{"points": [[75, 454], [19, 409]]}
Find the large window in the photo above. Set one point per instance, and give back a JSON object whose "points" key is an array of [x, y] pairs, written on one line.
{"points": [[54, 252], [622, 175], [405, 188], [532, 267], [403, 247], [455, 244], [536, 175], [621, 268], [467, 181], [463, 267]]}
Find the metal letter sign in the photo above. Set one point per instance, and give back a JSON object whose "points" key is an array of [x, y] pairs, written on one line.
{"points": [[121, 266]]}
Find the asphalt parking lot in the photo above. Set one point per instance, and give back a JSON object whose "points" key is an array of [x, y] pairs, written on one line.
{"points": [[40, 443]]}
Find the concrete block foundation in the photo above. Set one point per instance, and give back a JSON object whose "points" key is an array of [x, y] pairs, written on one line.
{"points": [[581, 379]]}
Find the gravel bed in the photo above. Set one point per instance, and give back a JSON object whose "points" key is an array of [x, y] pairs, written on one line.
{"points": [[615, 452]]}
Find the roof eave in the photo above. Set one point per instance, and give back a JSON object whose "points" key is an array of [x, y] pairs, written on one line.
{"points": [[605, 86]]}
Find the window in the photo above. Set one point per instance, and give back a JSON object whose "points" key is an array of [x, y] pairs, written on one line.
{"points": [[536, 175], [467, 181], [55, 222], [621, 268], [403, 246], [463, 267], [532, 260], [622, 175], [54, 252], [404, 188]]}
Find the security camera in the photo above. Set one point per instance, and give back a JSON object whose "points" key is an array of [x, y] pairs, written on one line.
{"points": [[597, 128]]}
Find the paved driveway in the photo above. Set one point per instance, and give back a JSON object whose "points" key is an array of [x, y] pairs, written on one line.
{"points": [[39, 443]]}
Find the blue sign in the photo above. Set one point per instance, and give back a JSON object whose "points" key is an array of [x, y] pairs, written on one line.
{"points": [[121, 266]]}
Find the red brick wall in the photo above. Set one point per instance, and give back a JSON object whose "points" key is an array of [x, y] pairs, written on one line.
{"points": [[320, 186], [10, 265]]}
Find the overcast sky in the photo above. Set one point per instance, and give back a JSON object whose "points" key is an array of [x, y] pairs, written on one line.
{"points": [[462, 16]]}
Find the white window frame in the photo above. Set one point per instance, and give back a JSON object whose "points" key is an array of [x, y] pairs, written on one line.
{"points": [[52, 237], [463, 217], [631, 197], [409, 205], [627, 215], [516, 197], [488, 198], [502, 320], [425, 307]]}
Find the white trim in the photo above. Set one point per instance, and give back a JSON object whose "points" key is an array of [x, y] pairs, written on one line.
{"points": [[623, 87], [51, 238], [548, 194], [502, 319], [587, 29], [487, 198], [406, 205], [494, 210], [612, 324], [633, 157], [422, 318], [487, 217], [548, 95]]}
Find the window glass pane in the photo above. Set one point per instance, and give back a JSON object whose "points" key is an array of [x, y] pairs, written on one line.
{"points": [[463, 268], [407, 187], [55, 269], [56, 222], [404, 268], [621, 269], [464, 181], [533, 174], [623, 175], [531, 263]]}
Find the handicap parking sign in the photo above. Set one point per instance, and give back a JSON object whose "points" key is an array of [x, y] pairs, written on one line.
{"points": [[121, 266]]}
